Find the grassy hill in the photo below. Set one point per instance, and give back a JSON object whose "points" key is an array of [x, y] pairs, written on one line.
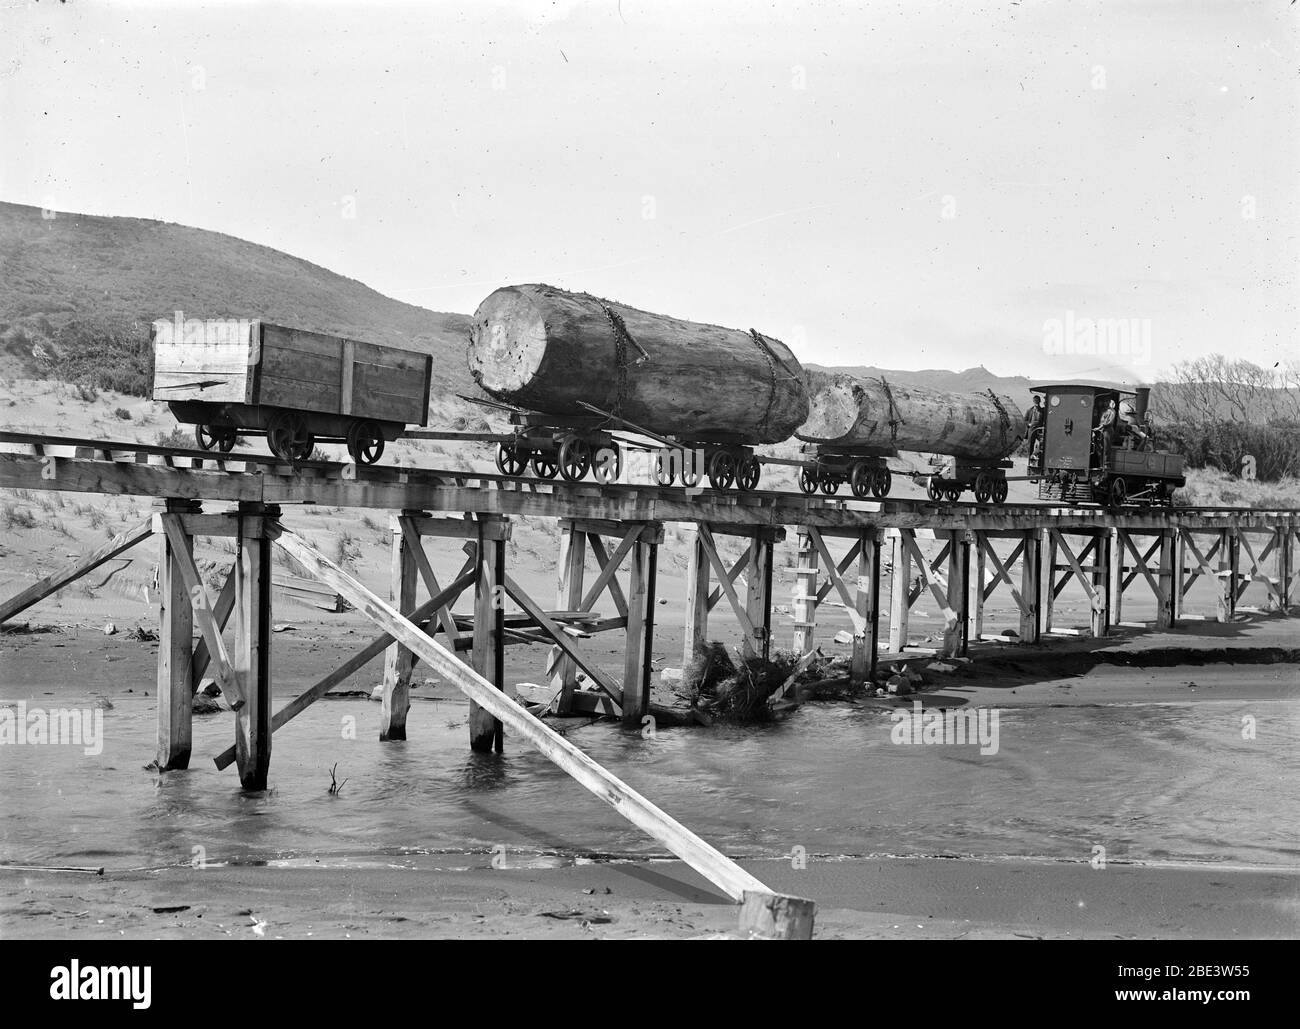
{"points": [[86, 271]]}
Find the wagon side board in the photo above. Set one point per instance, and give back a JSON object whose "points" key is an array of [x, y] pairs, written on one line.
{"points": [[310, 371]]}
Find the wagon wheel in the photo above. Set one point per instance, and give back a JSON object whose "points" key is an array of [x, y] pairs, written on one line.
{"points": [[665, 474], [983, 488], [544, 465], [722, 469], [952, 494], [690, 468], [303, 446], [861, 479], [747, 473], [1118, 491], [206, 436], [999, 490], [829, 484], [807, 481], [512, 459], [933, 490], [881, 482], [607, 464], [575, 458], [365, 442], [286, 435]]}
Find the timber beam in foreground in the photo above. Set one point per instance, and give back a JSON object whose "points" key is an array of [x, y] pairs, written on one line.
{"points": [[762, 910]]}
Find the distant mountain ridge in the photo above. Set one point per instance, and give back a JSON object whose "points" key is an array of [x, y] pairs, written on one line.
{"points": [[96, 268]]}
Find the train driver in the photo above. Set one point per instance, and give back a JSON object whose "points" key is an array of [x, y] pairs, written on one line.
{"points": [[1034, 422], [1107, 427]]}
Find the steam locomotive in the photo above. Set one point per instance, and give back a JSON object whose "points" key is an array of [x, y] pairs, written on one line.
{"points": [[1095, 446]]}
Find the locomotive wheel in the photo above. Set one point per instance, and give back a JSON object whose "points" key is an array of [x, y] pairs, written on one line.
{"points": [[807, 481], [512, 459], [365, 442], [747, 473], [862, 479], [722, 469], [829, 484], [286, 436], [999, 490], [607, 464], [983, 488], [933, 490], [544, 465], [952, 494], [881, 482], [1118, 492], [575, 458], [665, 474]]}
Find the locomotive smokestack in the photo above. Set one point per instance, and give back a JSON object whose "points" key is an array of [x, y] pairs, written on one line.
{"points": [[1140, 400]]}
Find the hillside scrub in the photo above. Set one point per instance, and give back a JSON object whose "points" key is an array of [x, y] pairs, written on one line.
{"points": [[106, 353]]}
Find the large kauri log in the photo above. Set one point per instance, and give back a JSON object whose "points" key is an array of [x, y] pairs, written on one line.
{"points": [[881, 416], [544, 350]]}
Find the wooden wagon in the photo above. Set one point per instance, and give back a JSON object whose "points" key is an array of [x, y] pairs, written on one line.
{"points": [[295, 387]]}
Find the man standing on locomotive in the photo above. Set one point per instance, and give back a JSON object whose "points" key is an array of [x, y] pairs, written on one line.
{"points": [[1107, 429], [1034, 422]]}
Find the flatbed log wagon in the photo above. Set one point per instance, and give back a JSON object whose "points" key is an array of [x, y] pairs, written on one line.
{"points": [[854, 424], [572, 368], [293, 386]]}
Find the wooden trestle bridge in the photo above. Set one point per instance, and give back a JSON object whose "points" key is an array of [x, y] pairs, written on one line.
{"points": [[241, 496]]}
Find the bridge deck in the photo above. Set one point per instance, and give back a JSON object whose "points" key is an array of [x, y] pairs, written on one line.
{"points": [[35, 462]]}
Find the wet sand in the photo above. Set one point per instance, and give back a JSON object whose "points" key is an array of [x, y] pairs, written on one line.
{"points": [[879, 898]]}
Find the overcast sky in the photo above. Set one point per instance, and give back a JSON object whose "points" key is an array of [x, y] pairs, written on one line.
{"points": [[901, 184]]}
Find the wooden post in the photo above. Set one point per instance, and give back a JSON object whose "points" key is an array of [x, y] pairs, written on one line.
{"points": [[1283, 548], [900, 585], [1116, 588], [568, 597], [955, 632], [758, 575], [803, 597], [1048, 578], [399, 662], [485, 731], [1031, 585], [975, 588], [866, 642], [636, 658], [764, 916], [1165, 602], [1226, 602], [251, 660], [697, 600], [965, 595], [175, 654], [1180, 569], [1102, 555]]}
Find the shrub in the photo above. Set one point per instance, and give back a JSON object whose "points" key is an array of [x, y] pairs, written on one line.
{"points": [[123, 414], [18, 517], [112, 352], [176, 438]]}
